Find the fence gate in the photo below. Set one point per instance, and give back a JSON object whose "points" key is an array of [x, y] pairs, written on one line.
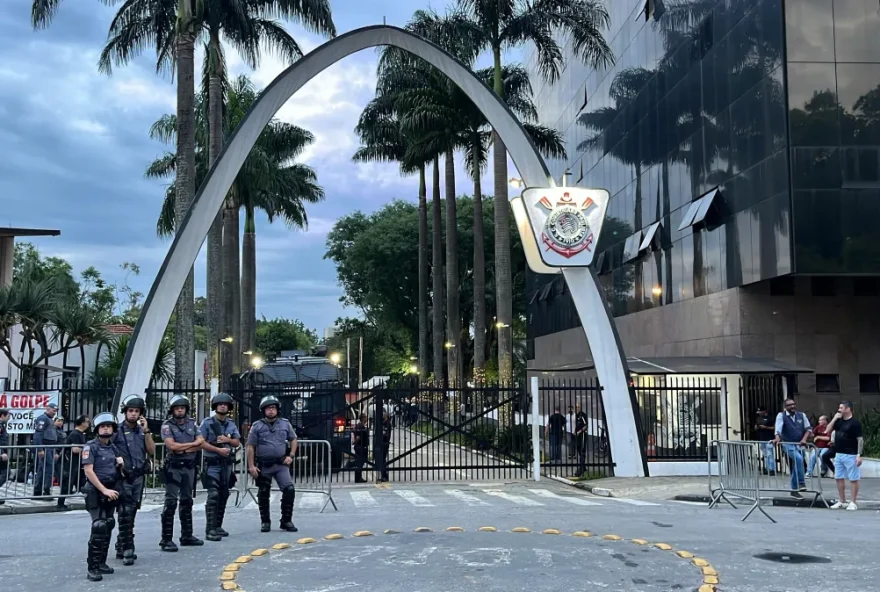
{"points": [[574, 436], [758, 391], [449, 434]]}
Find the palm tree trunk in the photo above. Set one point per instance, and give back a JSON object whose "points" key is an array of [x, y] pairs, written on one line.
{"points": [[479, 271], [453, 314], [82, 358], [214, 306], [185, 184], [437, 275], [249, 281], [424, 345], [503, 272]]}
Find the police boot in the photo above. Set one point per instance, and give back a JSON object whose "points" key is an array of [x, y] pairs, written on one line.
{"points": [[287, 497], [95, 557], [186, 525], [221, 513], [166, 543], [263, 502], [211, 517]]}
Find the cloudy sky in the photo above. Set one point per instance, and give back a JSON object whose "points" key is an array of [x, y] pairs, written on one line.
{"points": [[75, 145]]}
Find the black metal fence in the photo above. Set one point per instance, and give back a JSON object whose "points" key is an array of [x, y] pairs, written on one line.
{"points": [[574, 438], [680, 416]]}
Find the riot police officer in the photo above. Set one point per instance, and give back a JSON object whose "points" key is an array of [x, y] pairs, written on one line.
{"points": [[271, 445], [101, 464], [134, 442], [181, 437], [221, 437]]}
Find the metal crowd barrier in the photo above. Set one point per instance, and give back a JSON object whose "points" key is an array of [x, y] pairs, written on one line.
{"points": [[19, 473], [748, 469], [311, 472]]}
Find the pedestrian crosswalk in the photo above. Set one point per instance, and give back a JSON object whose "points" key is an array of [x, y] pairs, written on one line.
{"points": [[360, 499]]}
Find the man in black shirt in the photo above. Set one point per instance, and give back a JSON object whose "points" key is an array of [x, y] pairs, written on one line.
{"points": [[765, 427], [555, 431], [72, 475], [848, 442]]}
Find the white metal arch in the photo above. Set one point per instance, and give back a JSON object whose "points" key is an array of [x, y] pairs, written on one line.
{"points": [[144, 344]]}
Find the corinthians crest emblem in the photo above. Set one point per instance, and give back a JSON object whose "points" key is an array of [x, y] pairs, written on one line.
{"points": [[566, 230]]}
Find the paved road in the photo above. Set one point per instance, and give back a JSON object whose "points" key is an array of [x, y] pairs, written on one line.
{"points": [[48, 551]]}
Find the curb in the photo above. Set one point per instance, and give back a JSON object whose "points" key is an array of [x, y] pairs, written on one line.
{"points": [[783, 502], [595, 490], [8, 510], [708, 575]]}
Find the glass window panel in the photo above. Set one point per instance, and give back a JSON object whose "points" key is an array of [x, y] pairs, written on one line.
{"points": [[809, 30], [688, 218], [856, 26], [705, 203], [858, 86], [813, 108]]}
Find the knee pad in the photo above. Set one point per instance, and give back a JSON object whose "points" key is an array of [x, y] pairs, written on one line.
{"points": [[213, 495], [171, 504], [186, 503], [111, 523], [289, 490], [102, 527]]}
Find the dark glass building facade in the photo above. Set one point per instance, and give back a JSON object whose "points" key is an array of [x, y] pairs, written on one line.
{"points": [[740, 142]]}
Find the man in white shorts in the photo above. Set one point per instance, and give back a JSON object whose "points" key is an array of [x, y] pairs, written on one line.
{"points": [[848, 442]]}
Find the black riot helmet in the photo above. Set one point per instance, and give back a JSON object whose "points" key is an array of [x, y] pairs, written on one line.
{"points": [[268, 401], [222, 398], [105, 418], [178, 400], [134, 402]]}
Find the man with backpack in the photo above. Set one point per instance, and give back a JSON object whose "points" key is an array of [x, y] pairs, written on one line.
{"points": [[793, 430]]}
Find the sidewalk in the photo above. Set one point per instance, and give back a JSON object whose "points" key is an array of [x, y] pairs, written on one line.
{"points": [[696, 489]]}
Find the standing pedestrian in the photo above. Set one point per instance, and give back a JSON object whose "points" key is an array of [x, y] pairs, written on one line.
{"points": [[765, 427], [101, 464], [360, 446], [73, 476], [387, 428], [821, 438], [4, 442], [182, 441], [221, 437], [581, 433], [134, 442], [792, 428], [555, 431], [45, 437], [848, 444], [271, 445]]}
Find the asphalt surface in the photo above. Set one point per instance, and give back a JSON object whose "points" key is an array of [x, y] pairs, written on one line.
{"points": [[47, 551]]}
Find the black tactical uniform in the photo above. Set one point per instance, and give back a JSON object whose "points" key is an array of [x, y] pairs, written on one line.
{"points": [[180, 474], [271, 445], [219, 476], [130, 441], [99, 458]]}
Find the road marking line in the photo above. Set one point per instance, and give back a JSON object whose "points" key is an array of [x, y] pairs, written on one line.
{"points": [[310, 500], [467, 498], [517, 499], [545, 493], [413, 497], [485, 484], [362, 499], [632, 502]]}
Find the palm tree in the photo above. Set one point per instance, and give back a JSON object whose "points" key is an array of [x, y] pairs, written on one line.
{"points": [[399, 70], [108, 368], [497, 25], [249, 25], [383, 141], [444, 114], [269, 180]]}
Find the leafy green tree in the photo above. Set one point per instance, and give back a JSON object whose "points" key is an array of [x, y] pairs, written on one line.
{"points": [[277, 335]]}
